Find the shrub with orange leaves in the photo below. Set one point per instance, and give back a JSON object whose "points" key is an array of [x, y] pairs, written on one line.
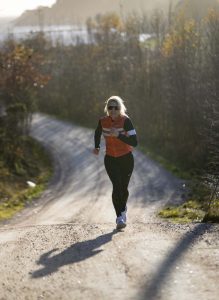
{"points": [[21, 73]]}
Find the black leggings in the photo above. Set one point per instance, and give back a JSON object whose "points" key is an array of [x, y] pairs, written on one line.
{"points": [[119, 170]]}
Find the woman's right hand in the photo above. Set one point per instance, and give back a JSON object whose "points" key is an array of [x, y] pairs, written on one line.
{"points": [[96, 151]]}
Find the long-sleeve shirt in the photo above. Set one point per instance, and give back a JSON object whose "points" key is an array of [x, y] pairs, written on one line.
{"points": [[130, 139]]}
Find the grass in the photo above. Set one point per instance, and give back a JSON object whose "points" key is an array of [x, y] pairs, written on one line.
{"points": [[212, 214], [15, 193], [197, 207], [191, 211], [167, 164], [17, 198]]}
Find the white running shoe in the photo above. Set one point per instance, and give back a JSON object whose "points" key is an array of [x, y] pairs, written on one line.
{"points": [[123, 214], [120, 223]]}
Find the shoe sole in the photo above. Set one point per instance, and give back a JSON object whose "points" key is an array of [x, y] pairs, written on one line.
{"points": [[120, 226]]}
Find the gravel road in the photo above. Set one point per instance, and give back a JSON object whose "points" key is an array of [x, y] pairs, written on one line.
{"points": [[65, 246]]}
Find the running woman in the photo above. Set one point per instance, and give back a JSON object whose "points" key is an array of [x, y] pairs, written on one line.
{"points": [[120, 138]]}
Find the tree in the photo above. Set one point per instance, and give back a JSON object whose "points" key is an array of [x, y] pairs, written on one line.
{"points": [[211, 102], [20, 78]]}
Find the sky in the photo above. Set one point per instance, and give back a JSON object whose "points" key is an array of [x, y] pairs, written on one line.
{"points": [[11, 8]]}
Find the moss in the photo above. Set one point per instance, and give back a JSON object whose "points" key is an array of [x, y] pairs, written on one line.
{"points": [[190, 211]]}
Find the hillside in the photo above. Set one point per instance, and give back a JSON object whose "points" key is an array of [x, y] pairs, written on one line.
{"points": [[74, 11]]}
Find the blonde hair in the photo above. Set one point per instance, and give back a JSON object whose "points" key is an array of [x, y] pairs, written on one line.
{"points": [[119, 102]]}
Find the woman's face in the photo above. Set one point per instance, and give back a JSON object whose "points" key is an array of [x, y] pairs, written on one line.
{"points": [[113, 109]]}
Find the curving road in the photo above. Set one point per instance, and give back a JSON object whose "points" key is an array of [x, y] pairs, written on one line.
{"points": [[64, 246]]}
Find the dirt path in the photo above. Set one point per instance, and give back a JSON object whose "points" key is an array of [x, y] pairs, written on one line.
{"points": [[65, 246]]}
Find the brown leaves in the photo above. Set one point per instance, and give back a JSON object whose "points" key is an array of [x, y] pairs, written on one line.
{"points": [[21, 68], [183, 36]]}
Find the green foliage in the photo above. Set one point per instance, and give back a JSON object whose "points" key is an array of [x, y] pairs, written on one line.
{"points": [[197, 210], [14, 192], [212, 214], [18, 201]]}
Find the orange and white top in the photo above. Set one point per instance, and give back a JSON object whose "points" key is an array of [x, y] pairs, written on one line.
{"points": [[116, 146]]}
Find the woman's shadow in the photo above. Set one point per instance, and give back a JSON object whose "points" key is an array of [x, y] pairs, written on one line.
{"points": [[75, 253]]}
